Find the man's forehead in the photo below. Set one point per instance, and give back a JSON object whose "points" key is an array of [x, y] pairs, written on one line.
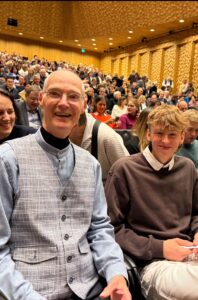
{"points": [[193, 125], [65, 78]]}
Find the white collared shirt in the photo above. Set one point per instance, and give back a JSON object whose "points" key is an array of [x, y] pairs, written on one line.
{"points": [[154, 163]]}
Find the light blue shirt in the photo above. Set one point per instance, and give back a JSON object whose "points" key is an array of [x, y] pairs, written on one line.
{"points": [[12, 283]]}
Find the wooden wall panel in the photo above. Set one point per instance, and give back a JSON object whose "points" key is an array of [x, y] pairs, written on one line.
{"points": [[124, 66], [49, 51], [105, 64], [169, 62], [115, 67], [155, 66], [144, 64], [195, 67], [183, 62], [175, 56], [133, 63]]}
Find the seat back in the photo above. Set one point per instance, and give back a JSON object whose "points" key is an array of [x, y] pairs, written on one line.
{"points": [[134, 279]]}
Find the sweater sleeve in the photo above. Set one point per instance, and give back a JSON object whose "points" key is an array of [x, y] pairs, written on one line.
{"points": [[123, 122], [120, 209]]}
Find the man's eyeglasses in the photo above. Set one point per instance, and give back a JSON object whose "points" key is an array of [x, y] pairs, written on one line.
{"points": [[58, 95]]}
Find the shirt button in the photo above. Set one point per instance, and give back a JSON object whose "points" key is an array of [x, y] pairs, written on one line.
{"points": [[64, 197], [66, 237], [63, 218], [69, 259], [71, 279]]}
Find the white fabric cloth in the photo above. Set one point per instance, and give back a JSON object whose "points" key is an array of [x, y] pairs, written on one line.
{"points": [[110, 145], [154, 162], [170, 280], [117, 111]]}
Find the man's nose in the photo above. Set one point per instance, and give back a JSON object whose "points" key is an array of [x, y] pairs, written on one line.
{"points": [[64, 100]]}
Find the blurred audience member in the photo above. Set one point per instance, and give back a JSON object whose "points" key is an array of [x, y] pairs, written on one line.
{"points": [[8, 115], [190, 146], [128, 120]]}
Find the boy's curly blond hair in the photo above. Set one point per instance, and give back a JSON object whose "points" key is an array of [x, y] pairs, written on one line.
{"points": [[167, 117]]}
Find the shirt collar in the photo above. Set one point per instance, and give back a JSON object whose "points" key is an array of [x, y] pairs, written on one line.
{"points": [[155, 164], [31, 111]]}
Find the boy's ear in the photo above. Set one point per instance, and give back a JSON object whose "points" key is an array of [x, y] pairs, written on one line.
{"points": [[182, 137], [148, 135]]}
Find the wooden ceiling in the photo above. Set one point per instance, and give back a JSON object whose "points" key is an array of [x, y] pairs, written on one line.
{"points": [[96, 25]]}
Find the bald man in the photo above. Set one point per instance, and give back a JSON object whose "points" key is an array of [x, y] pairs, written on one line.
{"points": [[56, 241], [182, 105]]}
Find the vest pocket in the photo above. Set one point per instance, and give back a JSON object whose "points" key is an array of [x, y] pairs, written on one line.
{"points": [[38, 265], [33, 255], [87, 268], [83, 246]]}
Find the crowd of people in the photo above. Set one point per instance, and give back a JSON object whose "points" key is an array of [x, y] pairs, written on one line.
{"points": [[60, 208]]}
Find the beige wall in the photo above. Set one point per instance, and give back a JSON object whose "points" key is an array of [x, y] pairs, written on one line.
{"points": [[49, 51], [174, 56]]}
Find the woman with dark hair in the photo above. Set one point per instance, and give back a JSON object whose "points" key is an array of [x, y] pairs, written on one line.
{"points": [[8, 115], [100, 106]]}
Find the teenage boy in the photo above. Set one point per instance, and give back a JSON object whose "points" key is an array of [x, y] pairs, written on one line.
{"points": [[153, 204]]}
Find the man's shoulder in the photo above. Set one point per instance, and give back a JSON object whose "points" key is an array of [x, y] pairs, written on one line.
{"points": [[106, 131], [80, 151], [108, 136], [195, 143], [6, 151], [21, 104], [21, 141]]}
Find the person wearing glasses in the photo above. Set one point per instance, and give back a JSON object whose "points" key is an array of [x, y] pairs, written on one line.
{"points": [[152, 201], [30, 111], [56, 240]]}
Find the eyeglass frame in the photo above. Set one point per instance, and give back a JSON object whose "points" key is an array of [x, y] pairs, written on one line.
{"points": [[58, 95]]}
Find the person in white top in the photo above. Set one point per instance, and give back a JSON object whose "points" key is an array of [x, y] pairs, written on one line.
{"points": [[110, 143], [120, 108]]}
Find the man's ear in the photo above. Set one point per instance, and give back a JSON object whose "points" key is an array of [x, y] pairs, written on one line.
{"points": [[82, 120], [40, 99], [84, 106], [85, 101]]}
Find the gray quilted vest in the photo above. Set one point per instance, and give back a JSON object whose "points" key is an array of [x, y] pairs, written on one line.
{"points": [[50, 222]]}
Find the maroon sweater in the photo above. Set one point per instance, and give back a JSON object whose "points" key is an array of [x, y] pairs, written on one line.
{"points": [[148, 206]]}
